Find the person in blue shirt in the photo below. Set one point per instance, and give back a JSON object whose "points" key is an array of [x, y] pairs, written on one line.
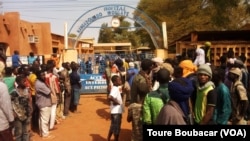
{"points": [[31, 58], [16, 62]]}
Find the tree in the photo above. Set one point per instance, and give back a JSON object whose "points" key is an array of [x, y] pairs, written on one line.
{"points": [[105, 34], [184, 16], [118, 35]]}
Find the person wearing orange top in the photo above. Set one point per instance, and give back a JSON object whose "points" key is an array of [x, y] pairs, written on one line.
{"points": [[55, 59]]}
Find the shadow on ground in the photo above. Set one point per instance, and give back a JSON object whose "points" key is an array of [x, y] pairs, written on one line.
{"points": [[97, 137], [103, 113], [123, 136], [102, 99]]}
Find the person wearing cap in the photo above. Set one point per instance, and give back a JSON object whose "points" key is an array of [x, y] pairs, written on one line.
{"points": [[170, 68], [206, 97], [244, 72], [238, 97]]}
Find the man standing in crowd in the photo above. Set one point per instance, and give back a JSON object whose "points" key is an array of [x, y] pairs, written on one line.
{"points": [[43, 102], [155, 100], [16, 62], [55, 59], [53, 82], [142, 83], [223, 106], [64, 76], [6, 111], [89, 66], [239, 98], [20, 99], [31, 58], [76, 85], [176, 111], [206, 98], [131, 72]]}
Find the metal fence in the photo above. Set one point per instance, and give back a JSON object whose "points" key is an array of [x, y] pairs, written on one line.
{"points": [[99, 61]]}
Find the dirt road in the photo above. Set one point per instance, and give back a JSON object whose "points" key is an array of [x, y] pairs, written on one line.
{"points": [[92, 124]]}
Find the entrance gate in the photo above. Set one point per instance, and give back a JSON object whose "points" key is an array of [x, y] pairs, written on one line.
{"points": [[95, 83], [104, 11]]}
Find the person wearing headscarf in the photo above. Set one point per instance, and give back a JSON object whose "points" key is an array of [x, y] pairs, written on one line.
{"points": [[176, 111], [189, 69]]}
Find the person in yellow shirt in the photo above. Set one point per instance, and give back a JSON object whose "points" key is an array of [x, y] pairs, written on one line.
{"points": [[125, 63], [35, 114]]}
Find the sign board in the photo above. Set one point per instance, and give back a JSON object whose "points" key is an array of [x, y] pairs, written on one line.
{"points": [[115, 22], [93, 83]]}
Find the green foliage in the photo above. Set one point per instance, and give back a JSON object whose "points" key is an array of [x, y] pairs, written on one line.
{"points": [[182, 17], [118, 35]]}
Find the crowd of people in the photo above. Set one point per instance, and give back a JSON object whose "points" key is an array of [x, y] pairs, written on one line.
{"points": [[36, 97], [180, 91]]}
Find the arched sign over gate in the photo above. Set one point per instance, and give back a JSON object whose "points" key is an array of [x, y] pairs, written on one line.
{"points": [[94, 83], [118, 10]]}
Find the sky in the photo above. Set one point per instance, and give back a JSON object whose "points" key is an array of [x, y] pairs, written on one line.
{"points": [[59, 12]]}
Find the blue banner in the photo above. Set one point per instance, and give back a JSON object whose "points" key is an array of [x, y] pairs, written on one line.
{"points": [[93, 83]]}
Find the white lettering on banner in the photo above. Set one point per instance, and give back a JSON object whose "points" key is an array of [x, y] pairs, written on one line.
{"points": [[100, 87], [100, 82], [94, 87], [88, 87], [95, 77]]}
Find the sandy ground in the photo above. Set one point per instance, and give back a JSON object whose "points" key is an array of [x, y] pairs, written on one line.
{"points": [[92, 124]]}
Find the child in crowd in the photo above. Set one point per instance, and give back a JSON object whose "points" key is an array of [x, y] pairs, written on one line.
{"points": [[116, 108]]}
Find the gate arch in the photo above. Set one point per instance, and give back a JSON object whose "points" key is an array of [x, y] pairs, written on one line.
{"points": [[117, 10]]}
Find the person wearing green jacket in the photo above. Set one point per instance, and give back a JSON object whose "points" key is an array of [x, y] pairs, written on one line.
{"points": [[155, 100]]}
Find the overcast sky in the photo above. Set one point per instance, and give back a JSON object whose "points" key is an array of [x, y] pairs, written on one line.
{"points": [[59, 12]]}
